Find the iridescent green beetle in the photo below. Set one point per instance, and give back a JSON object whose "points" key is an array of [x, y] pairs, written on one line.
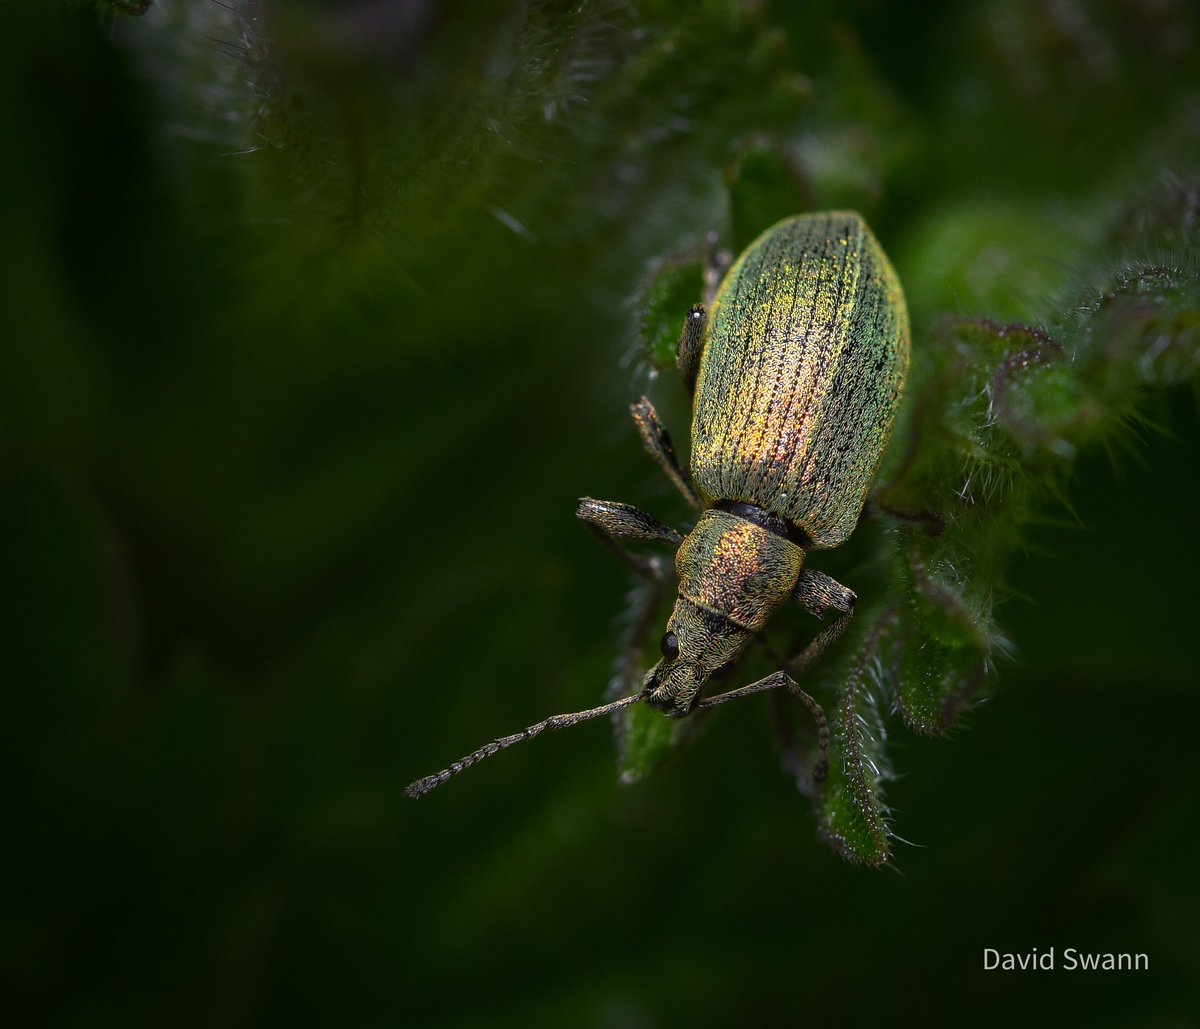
{"points": [[796, 369]]}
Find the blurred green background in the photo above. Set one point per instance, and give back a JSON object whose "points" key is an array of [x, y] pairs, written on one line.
{"points": [[319, 317]]}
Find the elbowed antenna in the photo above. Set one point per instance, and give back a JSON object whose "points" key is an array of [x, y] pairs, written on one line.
{"points": [[431, 782], [423, 786]]}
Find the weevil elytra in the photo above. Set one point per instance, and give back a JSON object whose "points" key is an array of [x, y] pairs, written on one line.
{"points": [[796, 369]]}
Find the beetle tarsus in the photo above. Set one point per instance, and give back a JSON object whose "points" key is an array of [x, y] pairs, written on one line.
{"points": [[611, 522], [657, 442], [691, 345]]}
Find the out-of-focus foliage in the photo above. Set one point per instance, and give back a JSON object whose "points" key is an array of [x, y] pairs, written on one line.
{"points": [[318, 318]]}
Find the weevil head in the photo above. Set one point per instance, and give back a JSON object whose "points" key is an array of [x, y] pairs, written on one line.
{"points": [[733, 574], [696, 644]]}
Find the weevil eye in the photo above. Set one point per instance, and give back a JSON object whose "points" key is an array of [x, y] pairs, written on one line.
{"points": [[669, 646]]}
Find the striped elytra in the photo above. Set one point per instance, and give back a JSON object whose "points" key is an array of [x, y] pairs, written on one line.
{"points": [[801, 373]]}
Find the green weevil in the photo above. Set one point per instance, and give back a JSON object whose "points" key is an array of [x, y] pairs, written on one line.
{"points": [[796, 368]]}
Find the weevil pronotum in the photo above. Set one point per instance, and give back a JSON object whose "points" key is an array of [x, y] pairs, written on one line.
{"points": [[796, 368]]}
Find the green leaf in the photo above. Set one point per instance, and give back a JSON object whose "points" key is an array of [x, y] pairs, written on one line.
{"points": [[852, 814], [670, 289]]}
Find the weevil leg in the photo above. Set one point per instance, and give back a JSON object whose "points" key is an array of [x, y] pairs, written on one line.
{"points": [[691, 345], [658, 445], [695, 324], [773, 682], [817, 593], [611, 522]]}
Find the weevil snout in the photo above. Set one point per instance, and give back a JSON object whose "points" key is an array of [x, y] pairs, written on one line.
{"points": [[697, 644], [673, 687]]}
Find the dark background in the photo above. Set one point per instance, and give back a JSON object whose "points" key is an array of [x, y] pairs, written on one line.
{"points": [[317, 322]]}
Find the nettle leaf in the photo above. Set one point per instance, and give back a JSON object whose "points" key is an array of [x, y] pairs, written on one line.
{"points": [[671, 287], [850, 807], [646, 740]]}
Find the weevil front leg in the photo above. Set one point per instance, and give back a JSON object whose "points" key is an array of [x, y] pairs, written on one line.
{"points": [[817, 593], [657, 442], [773, 682], [611, 522]]}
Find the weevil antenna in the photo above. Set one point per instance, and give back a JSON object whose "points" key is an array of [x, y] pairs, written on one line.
{"points": [[430, 782]]}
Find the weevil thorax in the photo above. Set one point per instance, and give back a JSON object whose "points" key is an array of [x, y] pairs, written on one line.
{"points": [[733, 574]]}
